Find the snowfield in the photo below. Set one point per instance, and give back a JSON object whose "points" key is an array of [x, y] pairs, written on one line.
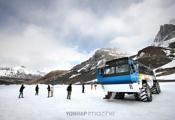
{"points": [[166, 77], [87, 106]]}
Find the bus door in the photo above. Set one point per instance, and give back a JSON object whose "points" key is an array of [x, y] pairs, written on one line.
{"points": [[134, 72]]}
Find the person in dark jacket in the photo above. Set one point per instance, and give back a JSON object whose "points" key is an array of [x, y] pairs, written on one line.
{"points": [[36, 90], [83, 87], [21, 91], [69, 90], [95, 86], [48, 89], [91, 86]]}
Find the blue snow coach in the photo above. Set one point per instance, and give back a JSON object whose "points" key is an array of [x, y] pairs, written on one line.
{"points": [[127, 76]]}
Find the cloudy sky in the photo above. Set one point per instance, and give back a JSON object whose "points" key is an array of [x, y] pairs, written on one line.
{"points": [[58, 34]]}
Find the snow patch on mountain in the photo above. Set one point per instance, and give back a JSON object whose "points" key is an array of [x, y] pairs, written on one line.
{"points": [[83, 68], [167, 77], [75, 75], [165, 43], [100, 54], [165, 72], [171, 64], [19, 72]]}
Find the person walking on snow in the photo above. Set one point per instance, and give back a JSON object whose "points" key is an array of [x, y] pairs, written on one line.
{"points": [[95, 86], [91, 86], [36, 90], [83, 87], [52, 91], [69, 90], [48, 89], [21, 91]]}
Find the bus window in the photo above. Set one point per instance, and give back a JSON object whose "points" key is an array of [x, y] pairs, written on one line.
{"points": [[109, 71], [122, 68]]}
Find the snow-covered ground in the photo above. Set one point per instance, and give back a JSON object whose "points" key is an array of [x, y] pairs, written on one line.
{"points": [[87, 106], [169, 65], [167, 77]]}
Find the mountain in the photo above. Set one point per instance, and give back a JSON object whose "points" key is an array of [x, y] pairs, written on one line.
{"points": [[9, 75], [161, 55], [86, 70], [49, 77], [166, 36], [156, 56], [166, 39], [100, 54]]}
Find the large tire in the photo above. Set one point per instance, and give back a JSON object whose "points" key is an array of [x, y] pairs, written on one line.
{"points": [[108, 96], [146, 94], [119, 95], [156, 88], [136, 95]]}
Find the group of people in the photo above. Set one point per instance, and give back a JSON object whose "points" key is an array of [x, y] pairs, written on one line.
{"points": [[50, 90]]}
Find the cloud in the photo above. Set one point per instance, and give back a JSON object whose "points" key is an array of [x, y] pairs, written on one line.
{"points": [[59, 34], [38, 49], [141, 22]]}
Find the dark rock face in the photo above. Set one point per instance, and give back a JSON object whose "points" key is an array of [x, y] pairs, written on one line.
{"points": [[49, 77], [172, 45], [166, 32], [152, 51], [154, 56]]}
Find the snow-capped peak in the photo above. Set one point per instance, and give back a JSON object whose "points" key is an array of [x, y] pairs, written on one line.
{"points": [[166, 36], [18, 72], [103, 54]]}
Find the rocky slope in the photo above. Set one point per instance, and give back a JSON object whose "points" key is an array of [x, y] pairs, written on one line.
{"points": [[166, 39], [51, 76], [154, 57], [166, 36]]}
